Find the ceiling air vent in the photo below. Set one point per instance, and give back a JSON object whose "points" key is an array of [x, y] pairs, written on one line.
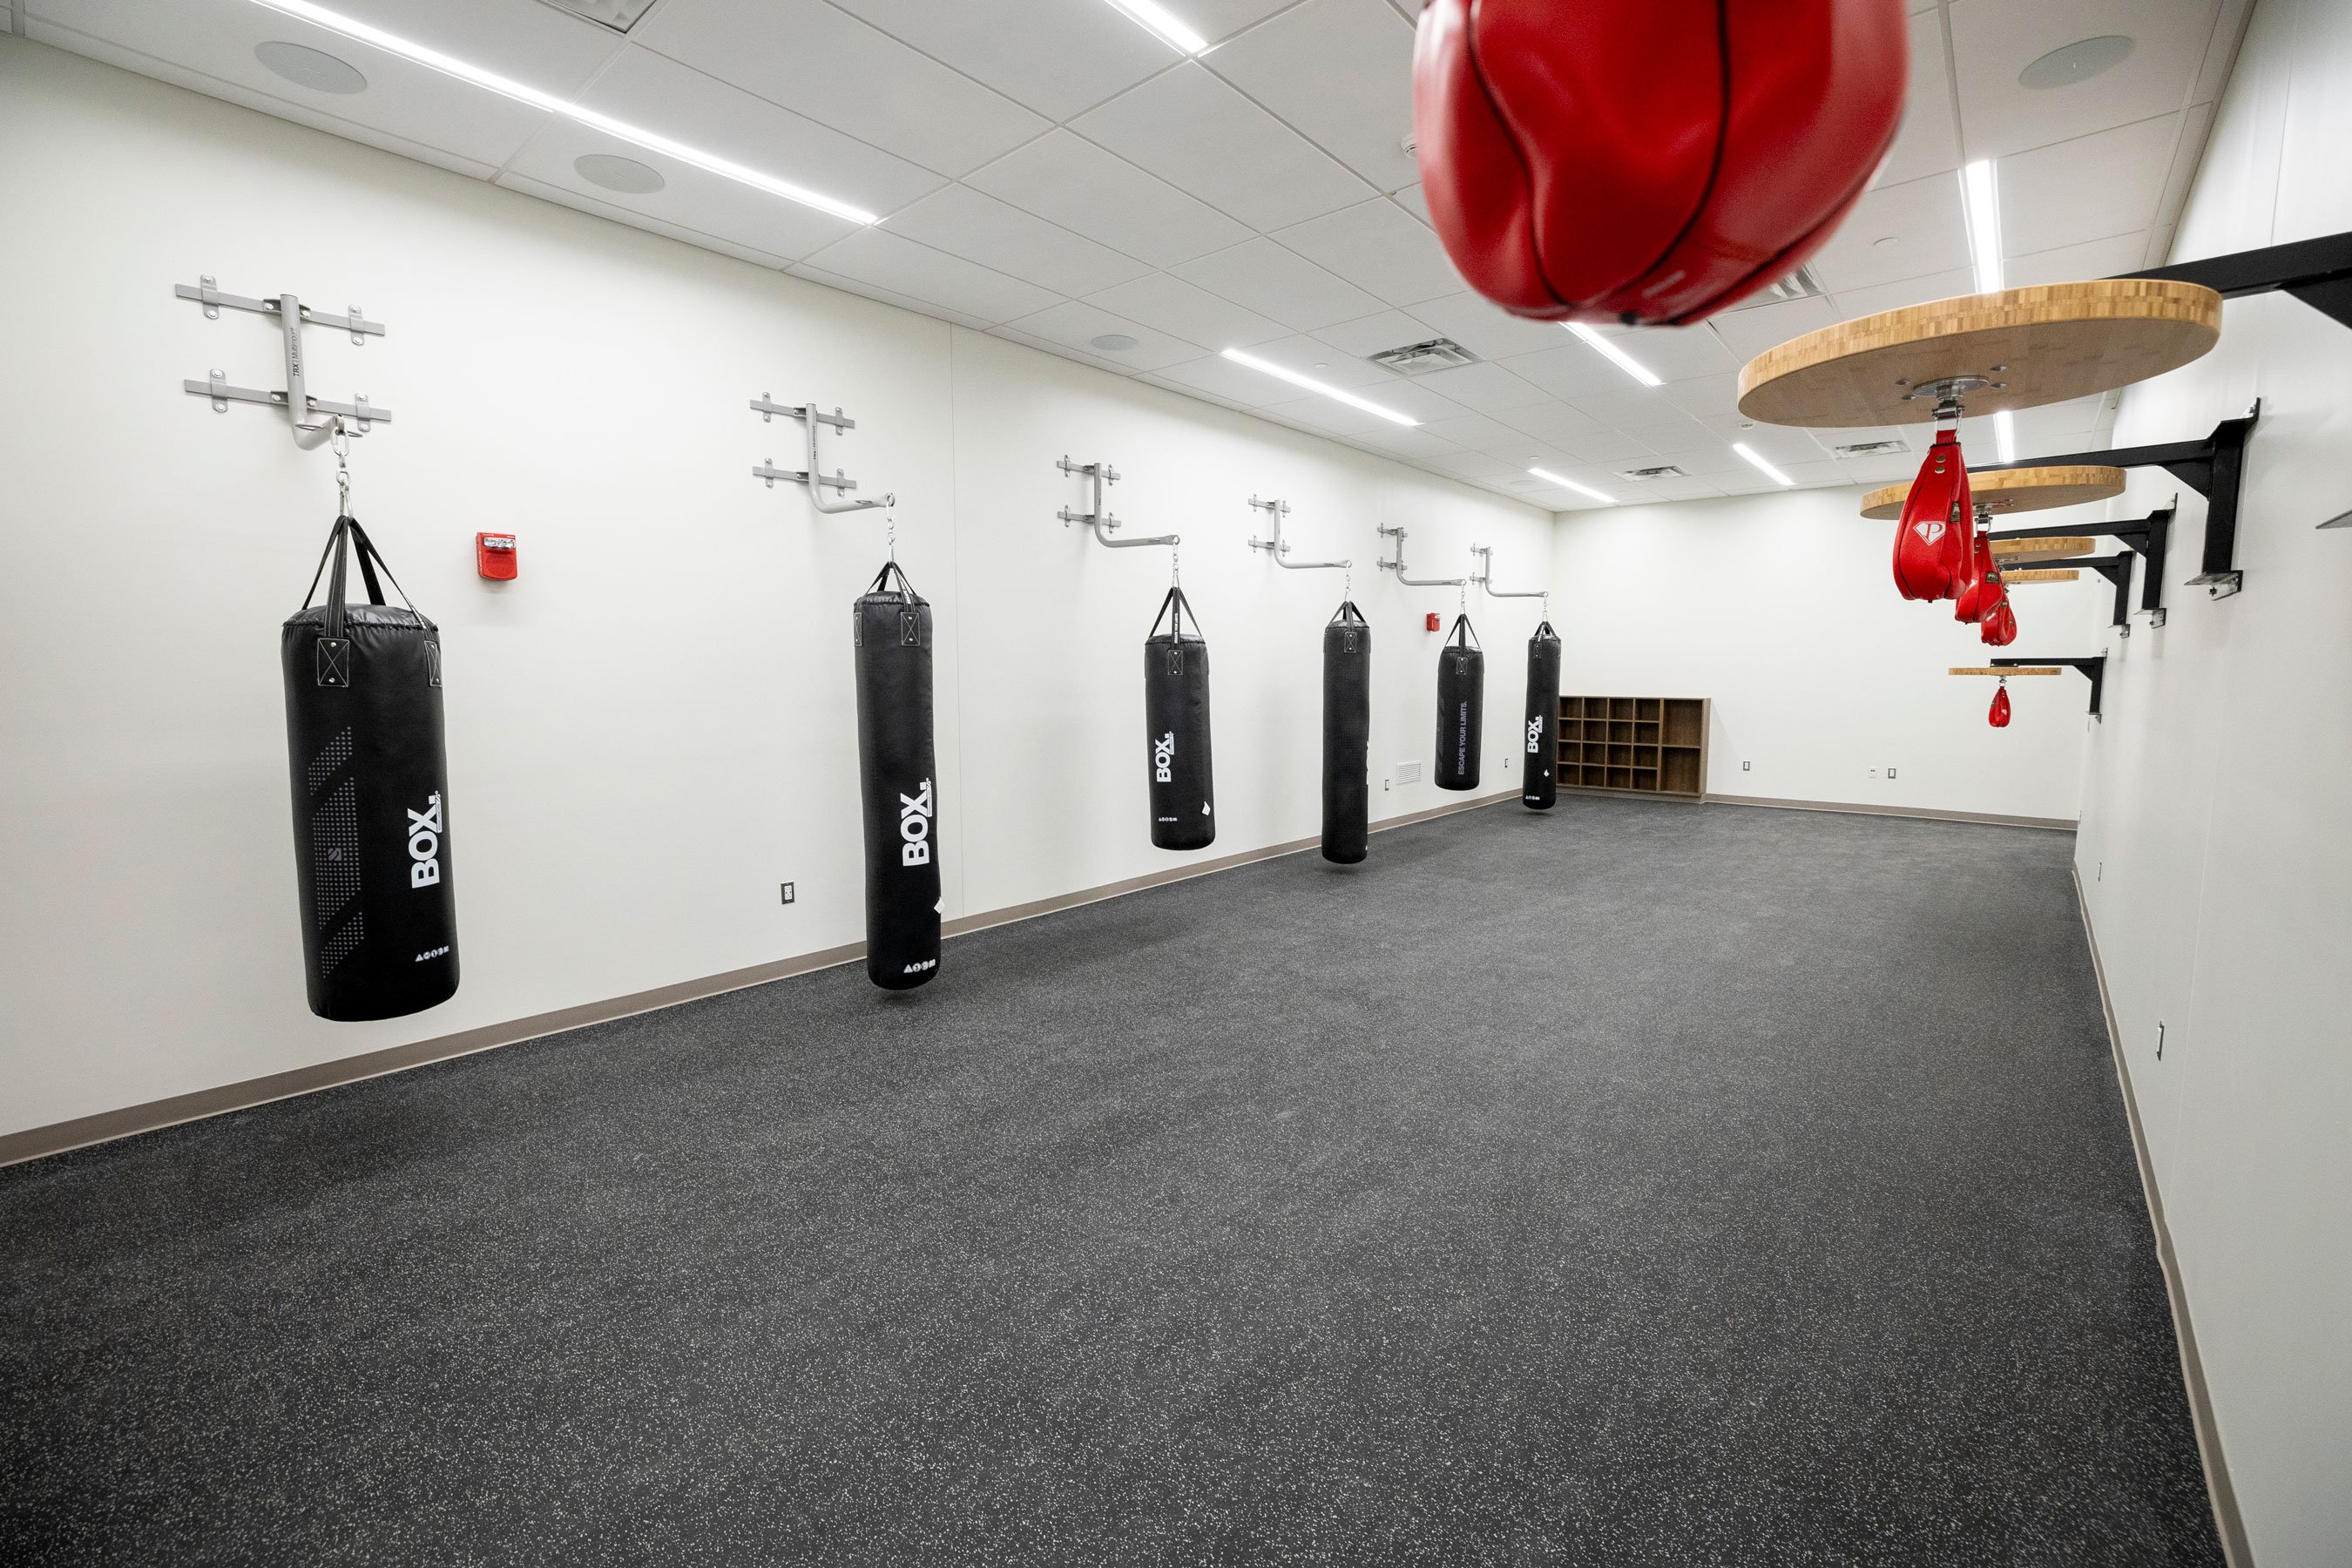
{"points": [[1799, 285], [1420, 359], [1872, 448], [1663, 471], [618, 14]]}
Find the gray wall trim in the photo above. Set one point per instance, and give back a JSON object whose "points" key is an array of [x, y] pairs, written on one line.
{"points": [[34, 1142], [1926, 813], [2224, 1496]]}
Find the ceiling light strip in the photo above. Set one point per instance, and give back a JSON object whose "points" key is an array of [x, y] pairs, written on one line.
{"points": [[1981, 199], [620, 129], [1614, 354], [1310, 383], [1567, 484], [1157, 18], [1769, 472]]}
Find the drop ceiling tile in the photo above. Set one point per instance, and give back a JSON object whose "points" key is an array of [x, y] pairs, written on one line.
{"points": [[1487, 388], [1162, 380], [1280, 283], [1486, 330], [1475, 466], [1074, 324], [818, 61], [1817, 474], [1551, 422], [1236, 383], [1909, 231], [1410, 397], [2090, 188], [1705, 460], [536, 43], [1195, 315], [1067, 179], [689, 198], [1378, 247], [597, 205], [978, 227], [1569, 369], [1655, 423], [1217, 20], [1478, 433], [1059, 58], [1674, 353], [1059, 351], [1667, 488], [1201, 136], [1749, 332], [1925, 144], [1561, 499], [1779, 444], [1326, 414], [1855, 302], [1414, 200], [1993, 40], [1340, 72], [877, 256], [886, 296], [1710, 395], [653, 90], [1414, 446], [1368, 335], [2093, 258], [1605, 450], [216, 43]]}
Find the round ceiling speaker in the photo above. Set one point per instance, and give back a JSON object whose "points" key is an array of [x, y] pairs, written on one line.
{"points": [[618, 174], [2077, 61], [313, 68], [1113, 343]]}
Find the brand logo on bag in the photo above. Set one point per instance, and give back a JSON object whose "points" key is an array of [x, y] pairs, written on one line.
{"points": [[918, 968], [432, 953], [1929, 529], [915, 826], [1163, 758], [424, 843], [1535, 736]]}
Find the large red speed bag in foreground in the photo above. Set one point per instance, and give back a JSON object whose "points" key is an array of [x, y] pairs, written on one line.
{"points": [[1647, 161]]}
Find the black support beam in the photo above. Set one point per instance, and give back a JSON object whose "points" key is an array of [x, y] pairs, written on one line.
{"points": [[2317, 271], [2146, 536], [2094, 666]]}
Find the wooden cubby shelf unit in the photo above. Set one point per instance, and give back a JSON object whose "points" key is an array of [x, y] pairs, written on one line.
{"points": [[1644, 745]]}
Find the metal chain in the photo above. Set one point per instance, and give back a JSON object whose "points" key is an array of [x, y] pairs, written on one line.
{"points": [[1175, 569], [341, 445], [890, 533]]}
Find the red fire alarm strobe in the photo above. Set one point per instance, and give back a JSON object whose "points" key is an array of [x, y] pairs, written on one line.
{"points": [[494, 557], [1433, 622]]}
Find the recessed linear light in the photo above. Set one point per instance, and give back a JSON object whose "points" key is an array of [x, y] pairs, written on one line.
{"points": [[621, 130], [1156, 17], [1980, 198], [1311, 384], [1775, 475], [2004, 435], [1614, 354], [1568, 484]]}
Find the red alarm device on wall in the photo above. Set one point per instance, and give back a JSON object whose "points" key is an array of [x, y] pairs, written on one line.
{"points": [[494, 557], [1433, 622]]}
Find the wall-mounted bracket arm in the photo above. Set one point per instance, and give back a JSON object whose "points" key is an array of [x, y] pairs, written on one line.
{"points": [[812, 476], [2317, 271], [1099, 519], [2147, 537], [314, 419], [2095, 668], [1279, 547], [1485, 578], [1397, 566]]}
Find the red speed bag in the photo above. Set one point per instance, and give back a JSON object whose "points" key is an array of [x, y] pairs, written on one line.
{"points": [[1999, 628], [1934, 538], [1648, 161], [1979, 583], [1999, 717]]}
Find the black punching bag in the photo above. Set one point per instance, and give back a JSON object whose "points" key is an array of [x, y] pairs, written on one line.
{"points": [[365, 750], [1461, 707], [892, 630], [1540, 787], [1347, 733], [1176, 714]]}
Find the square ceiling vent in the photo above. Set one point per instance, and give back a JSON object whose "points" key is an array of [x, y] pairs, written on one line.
{"points": [[618, 14], [1420, 359], [1799, 285], [1872, 448], [1663, 471]]}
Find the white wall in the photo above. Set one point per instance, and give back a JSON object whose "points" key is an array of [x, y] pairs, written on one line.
{"points": [[2216, 847], [1783, 608], [652, 728]]}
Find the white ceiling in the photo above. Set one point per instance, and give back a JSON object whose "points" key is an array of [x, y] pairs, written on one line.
{"points": [[1051, 172]]}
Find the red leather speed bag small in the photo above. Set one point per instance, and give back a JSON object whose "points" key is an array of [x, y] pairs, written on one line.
{"points": [[1999, 717], [1999, 628], [1648, 161]]}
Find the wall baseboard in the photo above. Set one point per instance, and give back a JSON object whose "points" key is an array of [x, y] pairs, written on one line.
{"points": [[2220, 1493], [1926, 813], [105, 1126]]}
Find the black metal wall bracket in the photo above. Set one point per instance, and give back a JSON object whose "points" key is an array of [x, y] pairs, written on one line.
{"points": [[2317, 271], [2214, 467], [2147, 537], [2094, 666]]}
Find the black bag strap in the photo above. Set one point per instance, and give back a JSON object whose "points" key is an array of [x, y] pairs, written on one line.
{"points": [[1173, 609], [1463, 636], [346, 531], [1542, 631], [1347, 615], [882, 581]]}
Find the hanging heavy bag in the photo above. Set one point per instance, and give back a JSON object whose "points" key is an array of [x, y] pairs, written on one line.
{"points": [[1999, 717], [366, 755], [892, 630], [1540, 787], [1933, 538], [1628, 161], [1176, 716], [1461, 707], [1347, 734]]}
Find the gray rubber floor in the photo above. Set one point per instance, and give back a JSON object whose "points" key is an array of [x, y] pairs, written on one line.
{"points": [[1640, 1184]]}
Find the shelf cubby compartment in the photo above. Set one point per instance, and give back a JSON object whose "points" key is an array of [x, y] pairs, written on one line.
{"points": [[1648, 745], [1686, 722]]}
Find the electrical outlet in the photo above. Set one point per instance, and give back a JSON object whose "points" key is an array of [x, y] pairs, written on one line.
{"points": [[1873, 773], [789, 895], [1408, 772], [1745, 767], [2159, 1039], [2102, 874], [1890, 772]]}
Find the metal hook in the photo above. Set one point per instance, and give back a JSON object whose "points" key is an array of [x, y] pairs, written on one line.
{"points": [[891, 534], [339, 442], [1175, 569]]}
